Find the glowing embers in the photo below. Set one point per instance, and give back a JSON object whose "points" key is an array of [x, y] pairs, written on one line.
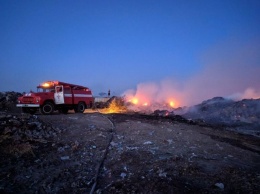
{"points": [[134, 101], [172, 103], [148, 102], [145, 104]]}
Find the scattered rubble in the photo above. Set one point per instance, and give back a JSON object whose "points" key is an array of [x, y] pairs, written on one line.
{"points": [[54, 154], [122, 153], [220, 185], [242, 116]]}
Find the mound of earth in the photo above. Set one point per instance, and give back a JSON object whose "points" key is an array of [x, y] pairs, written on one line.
{"points": [[242, 116]]}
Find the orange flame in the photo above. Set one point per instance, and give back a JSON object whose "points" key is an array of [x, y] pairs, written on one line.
{"points": [[114, 107], [172, 104], [134, 101]]}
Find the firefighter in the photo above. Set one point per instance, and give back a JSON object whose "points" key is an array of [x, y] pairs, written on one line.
{"points": [[108, 93]]}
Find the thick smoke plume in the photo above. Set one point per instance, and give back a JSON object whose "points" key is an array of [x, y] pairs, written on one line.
{"points": [[230, 70]]}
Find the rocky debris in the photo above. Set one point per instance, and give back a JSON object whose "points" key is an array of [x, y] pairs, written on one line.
{"points": [[25, 141], [75, 152], [86, 156], [151, 153], [8, 100], [163, 113], [25, 127], [242, 116], [220, 185]]}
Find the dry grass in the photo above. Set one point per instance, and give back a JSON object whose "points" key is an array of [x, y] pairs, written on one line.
{"points": [[116, 106]]}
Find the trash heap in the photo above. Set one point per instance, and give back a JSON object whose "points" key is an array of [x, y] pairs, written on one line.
{"points": [[8, 100], [220, 110], [25, 141], [19, 133], [243, 115]]}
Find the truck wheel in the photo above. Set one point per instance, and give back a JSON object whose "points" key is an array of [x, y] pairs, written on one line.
{"points": [[47, 108], [80, 107]]}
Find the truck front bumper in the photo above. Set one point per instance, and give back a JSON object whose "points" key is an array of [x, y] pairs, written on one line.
{"points": [[28, 105]]}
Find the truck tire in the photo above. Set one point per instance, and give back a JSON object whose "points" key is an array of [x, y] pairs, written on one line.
{"points": [[47, 108], [80, 107]]}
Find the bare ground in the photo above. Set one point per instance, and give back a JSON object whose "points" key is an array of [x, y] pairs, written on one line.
{"points": [[132, 153]]}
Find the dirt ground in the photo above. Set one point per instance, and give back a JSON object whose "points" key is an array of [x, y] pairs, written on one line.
{"points": [[132, 153]]}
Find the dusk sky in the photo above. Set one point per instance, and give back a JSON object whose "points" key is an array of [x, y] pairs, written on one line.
{"points": [[199, 48]]}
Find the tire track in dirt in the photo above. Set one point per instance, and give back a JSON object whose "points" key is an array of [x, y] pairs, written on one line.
{"points": [[98, 168]]}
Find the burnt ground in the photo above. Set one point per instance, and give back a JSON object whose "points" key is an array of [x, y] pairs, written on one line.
{"points": [[124, 153]]}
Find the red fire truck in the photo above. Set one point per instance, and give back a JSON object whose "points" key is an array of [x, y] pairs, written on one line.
{"points": [[56, 95]]}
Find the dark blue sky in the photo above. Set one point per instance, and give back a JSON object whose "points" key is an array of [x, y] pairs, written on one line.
{"points": [[119, 44]]}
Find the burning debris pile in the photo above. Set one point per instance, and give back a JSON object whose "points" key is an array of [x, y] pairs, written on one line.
{"points": [[115, 105], [8, 100], [242, 116]]}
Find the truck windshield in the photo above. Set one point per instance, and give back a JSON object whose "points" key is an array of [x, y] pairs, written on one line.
{"points": [[45, 90]]}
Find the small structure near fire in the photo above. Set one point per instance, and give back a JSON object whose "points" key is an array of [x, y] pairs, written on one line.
{"points": [[100, 102]]}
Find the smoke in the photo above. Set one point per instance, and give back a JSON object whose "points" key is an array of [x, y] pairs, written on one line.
{"points": [[230, 69], [156, 92], [249, 93]]}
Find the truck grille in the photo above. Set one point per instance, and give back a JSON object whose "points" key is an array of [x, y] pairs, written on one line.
{"points": [[27, 100]]}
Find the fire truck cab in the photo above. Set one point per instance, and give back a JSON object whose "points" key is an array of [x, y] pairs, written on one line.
{"points": [[56, 95]]}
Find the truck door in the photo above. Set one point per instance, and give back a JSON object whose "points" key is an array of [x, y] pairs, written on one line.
{"points": [[67, 95], [59, 95]]}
